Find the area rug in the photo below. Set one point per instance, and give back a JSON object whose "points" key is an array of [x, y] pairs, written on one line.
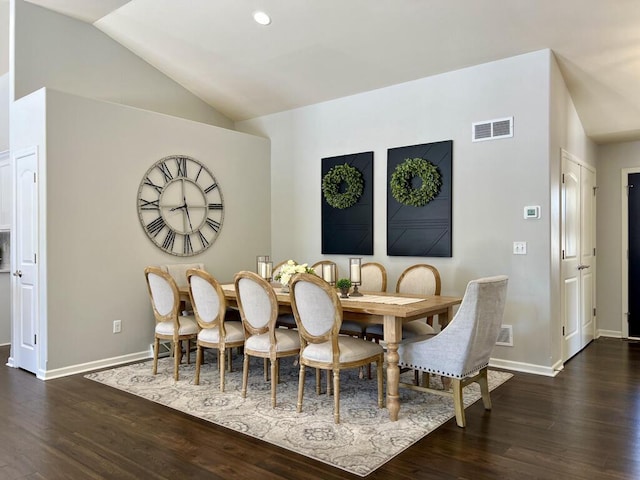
{"points": [[363, 441]]}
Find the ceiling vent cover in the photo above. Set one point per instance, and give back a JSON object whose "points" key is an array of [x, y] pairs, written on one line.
{"points": [[492, 129]]}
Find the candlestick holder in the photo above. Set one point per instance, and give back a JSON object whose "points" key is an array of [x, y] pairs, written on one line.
{"points": [[355, 275]]}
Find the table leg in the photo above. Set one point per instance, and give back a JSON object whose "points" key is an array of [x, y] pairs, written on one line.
{"points": [[392, 336], [445, 318]]}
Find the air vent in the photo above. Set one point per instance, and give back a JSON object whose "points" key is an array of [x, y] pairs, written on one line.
{"points": [[505, 336], [492, 129]]}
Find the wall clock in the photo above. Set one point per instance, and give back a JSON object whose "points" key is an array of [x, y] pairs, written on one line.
{"points": [[180, 205]]}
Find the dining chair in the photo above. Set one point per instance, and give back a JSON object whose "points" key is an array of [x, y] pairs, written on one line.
{"points": [[258, 306], [165, 300], [462, 350], [209, 308], [318, 313], [178, 272], [285, 320], [373, 276]]}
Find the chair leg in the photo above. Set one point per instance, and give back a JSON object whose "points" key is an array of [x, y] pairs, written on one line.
{"points": [[336, 395], [380, 381], [176, 358], [301, 386], [266, 370], [274, 381], [484, 388], [230, 360], [328, 382], [245, 375], [188, 351], [156, 346], [458, 402], [198, 363], [222, 368], [318, 379]]}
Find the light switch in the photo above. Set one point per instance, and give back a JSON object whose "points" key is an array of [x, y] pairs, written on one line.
{"points": [[519, 248]]}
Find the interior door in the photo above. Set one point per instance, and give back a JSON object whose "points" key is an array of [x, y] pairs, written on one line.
{"points": [[26, 274], [578, 256]]}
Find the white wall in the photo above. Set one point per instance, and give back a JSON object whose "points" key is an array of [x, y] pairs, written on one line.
{"points": [[95, 250], [59, 52], [611, 160], [492, 181]]}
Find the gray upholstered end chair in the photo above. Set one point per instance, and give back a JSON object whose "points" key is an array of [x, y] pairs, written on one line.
{"points": [[258, 306], [209, 308], [461, 351], [170, 325], [318, 313]]}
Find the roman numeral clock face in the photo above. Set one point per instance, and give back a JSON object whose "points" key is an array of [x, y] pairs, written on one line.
{"points": [[180, 205]]}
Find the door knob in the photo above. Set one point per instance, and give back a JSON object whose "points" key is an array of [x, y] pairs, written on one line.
{"points": [[17, 273], [582, 267]]}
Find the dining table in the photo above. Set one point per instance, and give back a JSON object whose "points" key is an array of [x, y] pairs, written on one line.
{"points": [[391, 310]]}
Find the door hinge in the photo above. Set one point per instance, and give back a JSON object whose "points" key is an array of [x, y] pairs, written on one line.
{"points": [[563, 254], [35, 257], [594, 251], [563, 178], [563, 331], [35, 339], [34, 177], [594, 190], [594, 312]]}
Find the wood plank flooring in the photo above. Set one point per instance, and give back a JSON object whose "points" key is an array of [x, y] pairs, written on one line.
{"points": [[582, 424]]}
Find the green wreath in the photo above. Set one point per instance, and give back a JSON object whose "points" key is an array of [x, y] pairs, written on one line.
{"points": [[401, 188], [332, 181]]}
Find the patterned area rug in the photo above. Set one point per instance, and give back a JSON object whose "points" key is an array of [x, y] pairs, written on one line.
{"points": [[363, 441]]}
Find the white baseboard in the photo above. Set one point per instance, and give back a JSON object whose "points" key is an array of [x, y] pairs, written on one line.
{"points": [[608, 333], [525, 367], [87, 367], [11, 363]]}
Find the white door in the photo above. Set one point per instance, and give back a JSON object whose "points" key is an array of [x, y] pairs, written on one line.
{"points": [[578, 252], [25, 312]]}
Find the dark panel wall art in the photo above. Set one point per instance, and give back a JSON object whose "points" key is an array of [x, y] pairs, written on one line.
{"points": [[419, 200], [347, 204]]}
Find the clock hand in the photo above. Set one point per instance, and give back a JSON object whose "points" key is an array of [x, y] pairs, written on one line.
{"points": [[186, 209]]}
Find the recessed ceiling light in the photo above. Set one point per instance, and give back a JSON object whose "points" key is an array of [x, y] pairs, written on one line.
{"points": [[262, 18]]}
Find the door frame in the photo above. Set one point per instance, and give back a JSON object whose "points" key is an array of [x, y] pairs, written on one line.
{"points": [[624, 252]]}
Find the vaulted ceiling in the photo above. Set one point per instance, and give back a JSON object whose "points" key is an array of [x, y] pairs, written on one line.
{"points": [[318, 50]]}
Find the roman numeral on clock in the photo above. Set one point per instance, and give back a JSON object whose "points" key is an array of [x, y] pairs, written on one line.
{"points": [[203, 241], [156, 226], [211, 187], [215, 206], [213, 224], [187, 248], [181, 163], [149, 205], [148, 182], [169, 240], [165, 171]]}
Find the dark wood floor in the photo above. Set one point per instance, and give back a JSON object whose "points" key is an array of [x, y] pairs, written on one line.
{"points": [[582, 424]]}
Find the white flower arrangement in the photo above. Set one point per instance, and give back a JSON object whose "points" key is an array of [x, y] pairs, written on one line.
{"points": [[289, 269]]}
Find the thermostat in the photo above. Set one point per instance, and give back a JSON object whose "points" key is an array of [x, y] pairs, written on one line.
{"points": [[532, 212]]}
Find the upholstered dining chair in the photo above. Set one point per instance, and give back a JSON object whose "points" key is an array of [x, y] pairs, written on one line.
{"points": [[259, 311], [165, 300], [178, 272], [285, 320], [318, 313], [462, 350], [374, 277], [209, 308]]}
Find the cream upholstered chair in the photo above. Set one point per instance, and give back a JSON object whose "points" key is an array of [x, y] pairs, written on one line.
{"points": [[165, 300], [285, 319], [318, 313], [462, 350], [259, 310], [209, 308], [374, 277]]}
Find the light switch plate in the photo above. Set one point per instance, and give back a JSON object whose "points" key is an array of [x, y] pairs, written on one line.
{"points": [[519, 248], [532, 211]]}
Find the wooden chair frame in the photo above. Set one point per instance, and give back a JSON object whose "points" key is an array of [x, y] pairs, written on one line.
{"points": [[273, 356], [331, 336], [436, 275], [172, 316], [383, 273], [218, 321]]}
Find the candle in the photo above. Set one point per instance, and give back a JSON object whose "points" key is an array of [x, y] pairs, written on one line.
{"points": [[355, 272], [268, 267], [328, 272]]}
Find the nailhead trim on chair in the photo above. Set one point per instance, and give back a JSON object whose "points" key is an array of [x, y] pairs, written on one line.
{"points": [[439, 372]]}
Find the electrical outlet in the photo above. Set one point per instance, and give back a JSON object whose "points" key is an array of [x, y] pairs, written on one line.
{"points": [[519, 248], [117, 326]]}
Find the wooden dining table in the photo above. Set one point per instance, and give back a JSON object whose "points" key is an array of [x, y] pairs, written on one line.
{"points": [[392, 310]]}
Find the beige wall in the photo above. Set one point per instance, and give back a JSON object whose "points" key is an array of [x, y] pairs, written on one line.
{"points": [[59, 52], [92, 247]]}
